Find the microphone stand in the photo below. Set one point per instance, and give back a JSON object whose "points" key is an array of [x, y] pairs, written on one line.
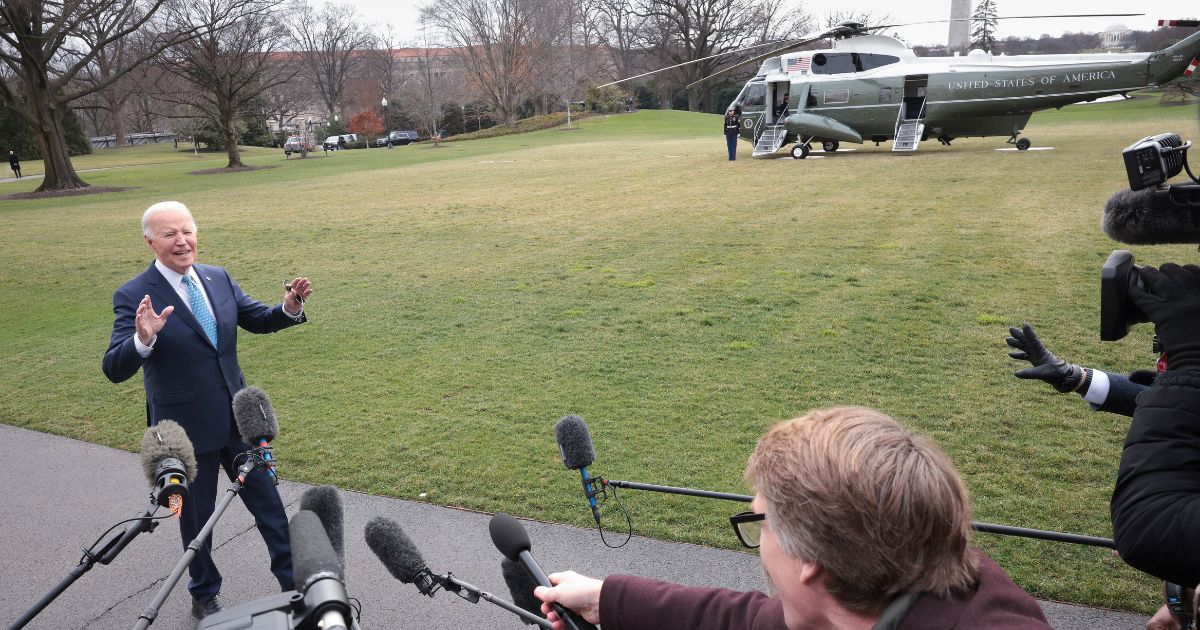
{"points": [[1006, 530], [103, 552], [147, 617], [473, 594]]}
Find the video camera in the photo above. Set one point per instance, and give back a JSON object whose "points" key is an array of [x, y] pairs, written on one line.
{"points": [[1151, 212]]}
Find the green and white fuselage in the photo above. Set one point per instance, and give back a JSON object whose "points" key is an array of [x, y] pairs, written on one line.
{"points": [[866, 86]]}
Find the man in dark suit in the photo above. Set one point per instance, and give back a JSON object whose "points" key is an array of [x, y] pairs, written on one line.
{"points": [[190, 369]]}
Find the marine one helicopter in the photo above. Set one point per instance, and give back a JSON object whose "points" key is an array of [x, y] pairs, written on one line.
{"points": [[874, 87]]}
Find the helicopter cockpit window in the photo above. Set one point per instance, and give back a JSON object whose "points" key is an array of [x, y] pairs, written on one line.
{"points": [[843, 63], [754, 95]]}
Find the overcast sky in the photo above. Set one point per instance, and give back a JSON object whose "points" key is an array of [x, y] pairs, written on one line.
{"points": [[403, 15]]}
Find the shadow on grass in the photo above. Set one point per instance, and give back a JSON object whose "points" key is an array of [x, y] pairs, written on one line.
{"points": [[72, 192], [229, 169]]}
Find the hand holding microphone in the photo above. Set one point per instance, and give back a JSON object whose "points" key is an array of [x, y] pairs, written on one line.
{"points": [[510, 538], [573, 591]]}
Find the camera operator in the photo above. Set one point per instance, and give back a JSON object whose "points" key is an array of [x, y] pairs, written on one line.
{"points": [[1156, 501], [1105, 391], [859, 524]]}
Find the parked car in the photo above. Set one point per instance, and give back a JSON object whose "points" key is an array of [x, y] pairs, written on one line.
{"points": [[332, 143], [397, 138], [297, 144]]}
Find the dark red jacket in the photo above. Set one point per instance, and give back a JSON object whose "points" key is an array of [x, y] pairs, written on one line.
{"points": [[633, 603]]}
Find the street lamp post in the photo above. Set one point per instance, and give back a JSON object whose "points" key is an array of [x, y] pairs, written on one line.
{"points": [[387, 134]]}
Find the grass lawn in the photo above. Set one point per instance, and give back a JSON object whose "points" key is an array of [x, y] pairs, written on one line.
{"points": [[468, 296]]}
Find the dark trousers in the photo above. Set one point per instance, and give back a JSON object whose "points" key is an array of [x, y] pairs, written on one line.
{"points": [[731, 140], [261, 498], [17, 171]]}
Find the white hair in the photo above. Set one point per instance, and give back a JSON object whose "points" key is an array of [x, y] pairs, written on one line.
{"points": [[163, 206]]}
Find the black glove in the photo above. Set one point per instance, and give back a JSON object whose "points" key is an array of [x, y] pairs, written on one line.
{"points": [[1063, 376], [1171, 300]]}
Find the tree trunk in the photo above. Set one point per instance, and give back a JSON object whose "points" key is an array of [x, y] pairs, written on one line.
{"points": [[693, 99], [229, 122], [60, 174], [118, 124]]}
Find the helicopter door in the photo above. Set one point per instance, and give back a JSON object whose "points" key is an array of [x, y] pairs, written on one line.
{"points": [[780, 107], [914, 96]]}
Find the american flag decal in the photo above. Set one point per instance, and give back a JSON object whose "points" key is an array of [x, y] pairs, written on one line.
{"points": [[1192, 67], [798, 64], [1179, 23]]}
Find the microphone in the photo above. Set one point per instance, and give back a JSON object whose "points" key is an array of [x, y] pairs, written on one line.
{"points": [[399, 555], [326, 503], [575, 446], [401, 558], [256, 422], [169, 464], [318, 572], [1154, 216], [521, 585], [510, 538]]}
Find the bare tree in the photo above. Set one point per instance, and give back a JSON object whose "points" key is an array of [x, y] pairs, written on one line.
{"points": [[691, 30], [429, 90], [231, 65], [283, 102], [493, 40], [43, 50], [332, 42], [623, 32]]}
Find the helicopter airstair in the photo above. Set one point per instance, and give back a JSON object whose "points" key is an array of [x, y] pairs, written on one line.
{"points": [[771, 139], [909, 130]]}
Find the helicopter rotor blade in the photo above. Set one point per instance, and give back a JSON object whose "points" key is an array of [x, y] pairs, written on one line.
{"points": [[1005, 17], [807, 39], [728, 52]]}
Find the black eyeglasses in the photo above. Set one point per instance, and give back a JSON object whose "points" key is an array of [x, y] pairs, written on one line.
{"points": [[748, 526]]}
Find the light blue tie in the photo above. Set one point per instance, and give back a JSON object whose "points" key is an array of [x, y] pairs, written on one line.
{"points": [[200, 310]]}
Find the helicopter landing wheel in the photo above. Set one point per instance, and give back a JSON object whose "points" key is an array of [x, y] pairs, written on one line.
{"points": [[800, 151], [830, 146], [1023, 144]]}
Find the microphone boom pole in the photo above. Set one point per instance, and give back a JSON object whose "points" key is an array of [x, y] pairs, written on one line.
{"points": [[102, 552], [473, 594], [147, 617], [989, 528]]}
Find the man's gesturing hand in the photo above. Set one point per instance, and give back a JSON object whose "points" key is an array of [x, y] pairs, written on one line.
{"points": [[147, 322], [574, 591], [298, 290], [1061, 375]]}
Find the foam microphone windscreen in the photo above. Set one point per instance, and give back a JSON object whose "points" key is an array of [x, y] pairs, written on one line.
{"points": [[521, 585], [574, 442], [509, 536], [1151, 216], [312, 554], [254, 415], [326, 503], [163, 440], [393, 548]]}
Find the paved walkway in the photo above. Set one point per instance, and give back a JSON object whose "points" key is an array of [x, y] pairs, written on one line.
{"points": [[59, 495]]}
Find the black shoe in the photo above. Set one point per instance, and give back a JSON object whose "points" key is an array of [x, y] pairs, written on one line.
{"points": [[201, 609]]}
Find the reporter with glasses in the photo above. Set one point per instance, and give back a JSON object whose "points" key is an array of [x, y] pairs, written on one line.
{"points": [[859, 524]]}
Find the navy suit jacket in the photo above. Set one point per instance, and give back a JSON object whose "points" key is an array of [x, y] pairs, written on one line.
{"points": [[1122, 395], [188, 380]]}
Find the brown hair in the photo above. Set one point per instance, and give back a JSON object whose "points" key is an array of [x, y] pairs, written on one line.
{"points": [[880, 509]]}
